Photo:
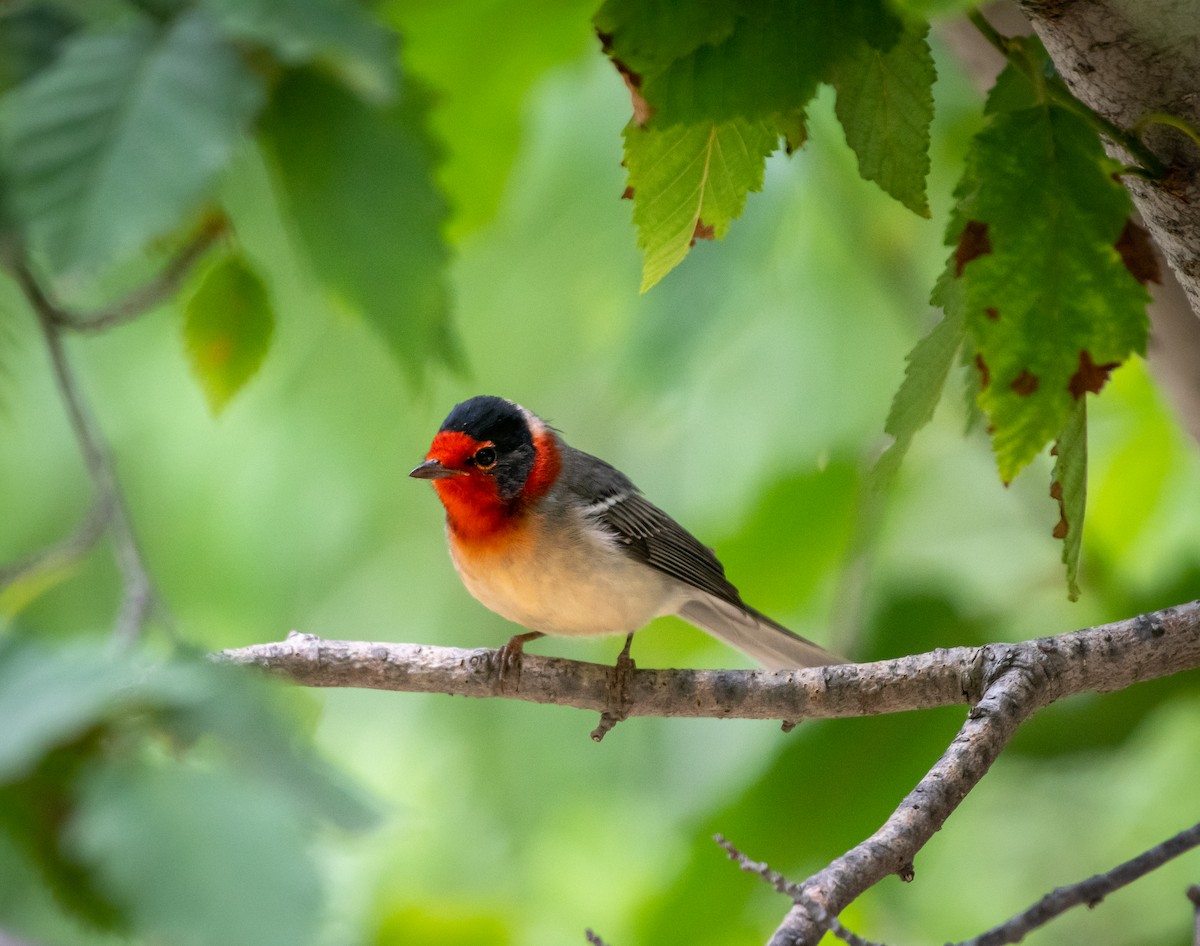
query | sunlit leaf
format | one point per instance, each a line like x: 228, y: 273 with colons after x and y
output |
x: 227, y: 329
x: 885, y: 105
x: 123, y: 134
x: 689, y: 182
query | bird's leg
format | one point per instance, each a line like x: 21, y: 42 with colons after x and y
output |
x: 509, y: 656
x: 618, y: 693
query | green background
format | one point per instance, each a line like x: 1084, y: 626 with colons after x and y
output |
x: 746, y: 395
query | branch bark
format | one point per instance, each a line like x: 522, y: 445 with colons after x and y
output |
x: 1098, y: 659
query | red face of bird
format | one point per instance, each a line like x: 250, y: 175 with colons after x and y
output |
x: 490, y: 456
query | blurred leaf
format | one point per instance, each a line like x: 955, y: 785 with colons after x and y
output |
x: 115, y: 141
x: 358, y: 182
x: 690, y: 181
x: 1047, y: 300
x: 928, y: 365
x: 227, y: 330
x: 31, y: 35
x: 927, y: 9
x: 49, y: 698
x: 33, y: 812
x: 338, y: 35
x: 1069, y: 487
x: 885, y: 104
x: 198, y: 857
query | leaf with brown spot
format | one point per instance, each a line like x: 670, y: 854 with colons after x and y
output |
x: 973, y: 242
x: 627, y: 194
x: 1025, y: 383
x: 985, y: 376
x: 643, y: 111
x: 703, y: 231
x: 992, y: 313
x: 1137, y: 253
x: 1090, y: 376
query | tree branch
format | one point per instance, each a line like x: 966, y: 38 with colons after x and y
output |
x: 1099, y: 659
x: 137, y: 596
x: 1004, y: 683
x: 1090, y: 891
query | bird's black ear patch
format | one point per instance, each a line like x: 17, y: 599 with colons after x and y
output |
x: 504, y: 424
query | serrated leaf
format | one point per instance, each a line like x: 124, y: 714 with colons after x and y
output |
x: 198, y: 856
x: 1046, y: 294
x: 769, y: 64
x: 1069, y: 488
x: 378, y: 249
x: 122, y: 135
x: 689, y: 180
x: 336, y: 35
x: 928, y: 365
x: 885, y: 105
x: 228, y: 324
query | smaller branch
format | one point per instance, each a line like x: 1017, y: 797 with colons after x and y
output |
x: 1090, y: 891
x: 138, y: 595
x: 793, y: 890
x: 1193, y: 894
x: 63, y: 555
x: 592, y: 937
x: 151, y: 294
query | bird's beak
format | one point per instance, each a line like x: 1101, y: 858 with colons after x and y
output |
x: 433, y: 470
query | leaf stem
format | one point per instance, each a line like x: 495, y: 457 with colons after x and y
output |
x: 1012, y: 49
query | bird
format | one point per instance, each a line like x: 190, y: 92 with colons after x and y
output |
x: 563, y: 543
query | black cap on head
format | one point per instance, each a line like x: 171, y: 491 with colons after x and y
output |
x: 505, y: 425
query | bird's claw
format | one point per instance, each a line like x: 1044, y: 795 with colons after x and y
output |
x: 509, y: 658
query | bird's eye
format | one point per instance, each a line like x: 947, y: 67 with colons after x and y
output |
x: 485, y: 458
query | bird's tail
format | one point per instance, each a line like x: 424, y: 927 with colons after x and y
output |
x: 753, y: 633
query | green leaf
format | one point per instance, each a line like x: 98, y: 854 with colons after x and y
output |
x: 687, y: 179
x: 1048, y: 302
x: 227, y: 329
x: 198, y: 856
x: 336, y: 35
x: 378, y: 249
x: 1069, y: 488
x: 123, y: 135
x: 769, y: 64
x: 48, y: 699
x: 885, y: 105
x: 646, y: 35
x: 30, y: 37
x: 928, y: 366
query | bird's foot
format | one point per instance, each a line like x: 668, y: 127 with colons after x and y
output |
x: 510, y: 655
x: 618, y: 692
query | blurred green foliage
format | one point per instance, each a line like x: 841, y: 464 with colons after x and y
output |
x: 168, y: 800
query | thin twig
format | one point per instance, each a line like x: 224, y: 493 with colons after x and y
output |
x: 592, y: 937
x: 137, y: 597
x: 1193, y: 894
x: 150, y: 294
x: 1090, y: 891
